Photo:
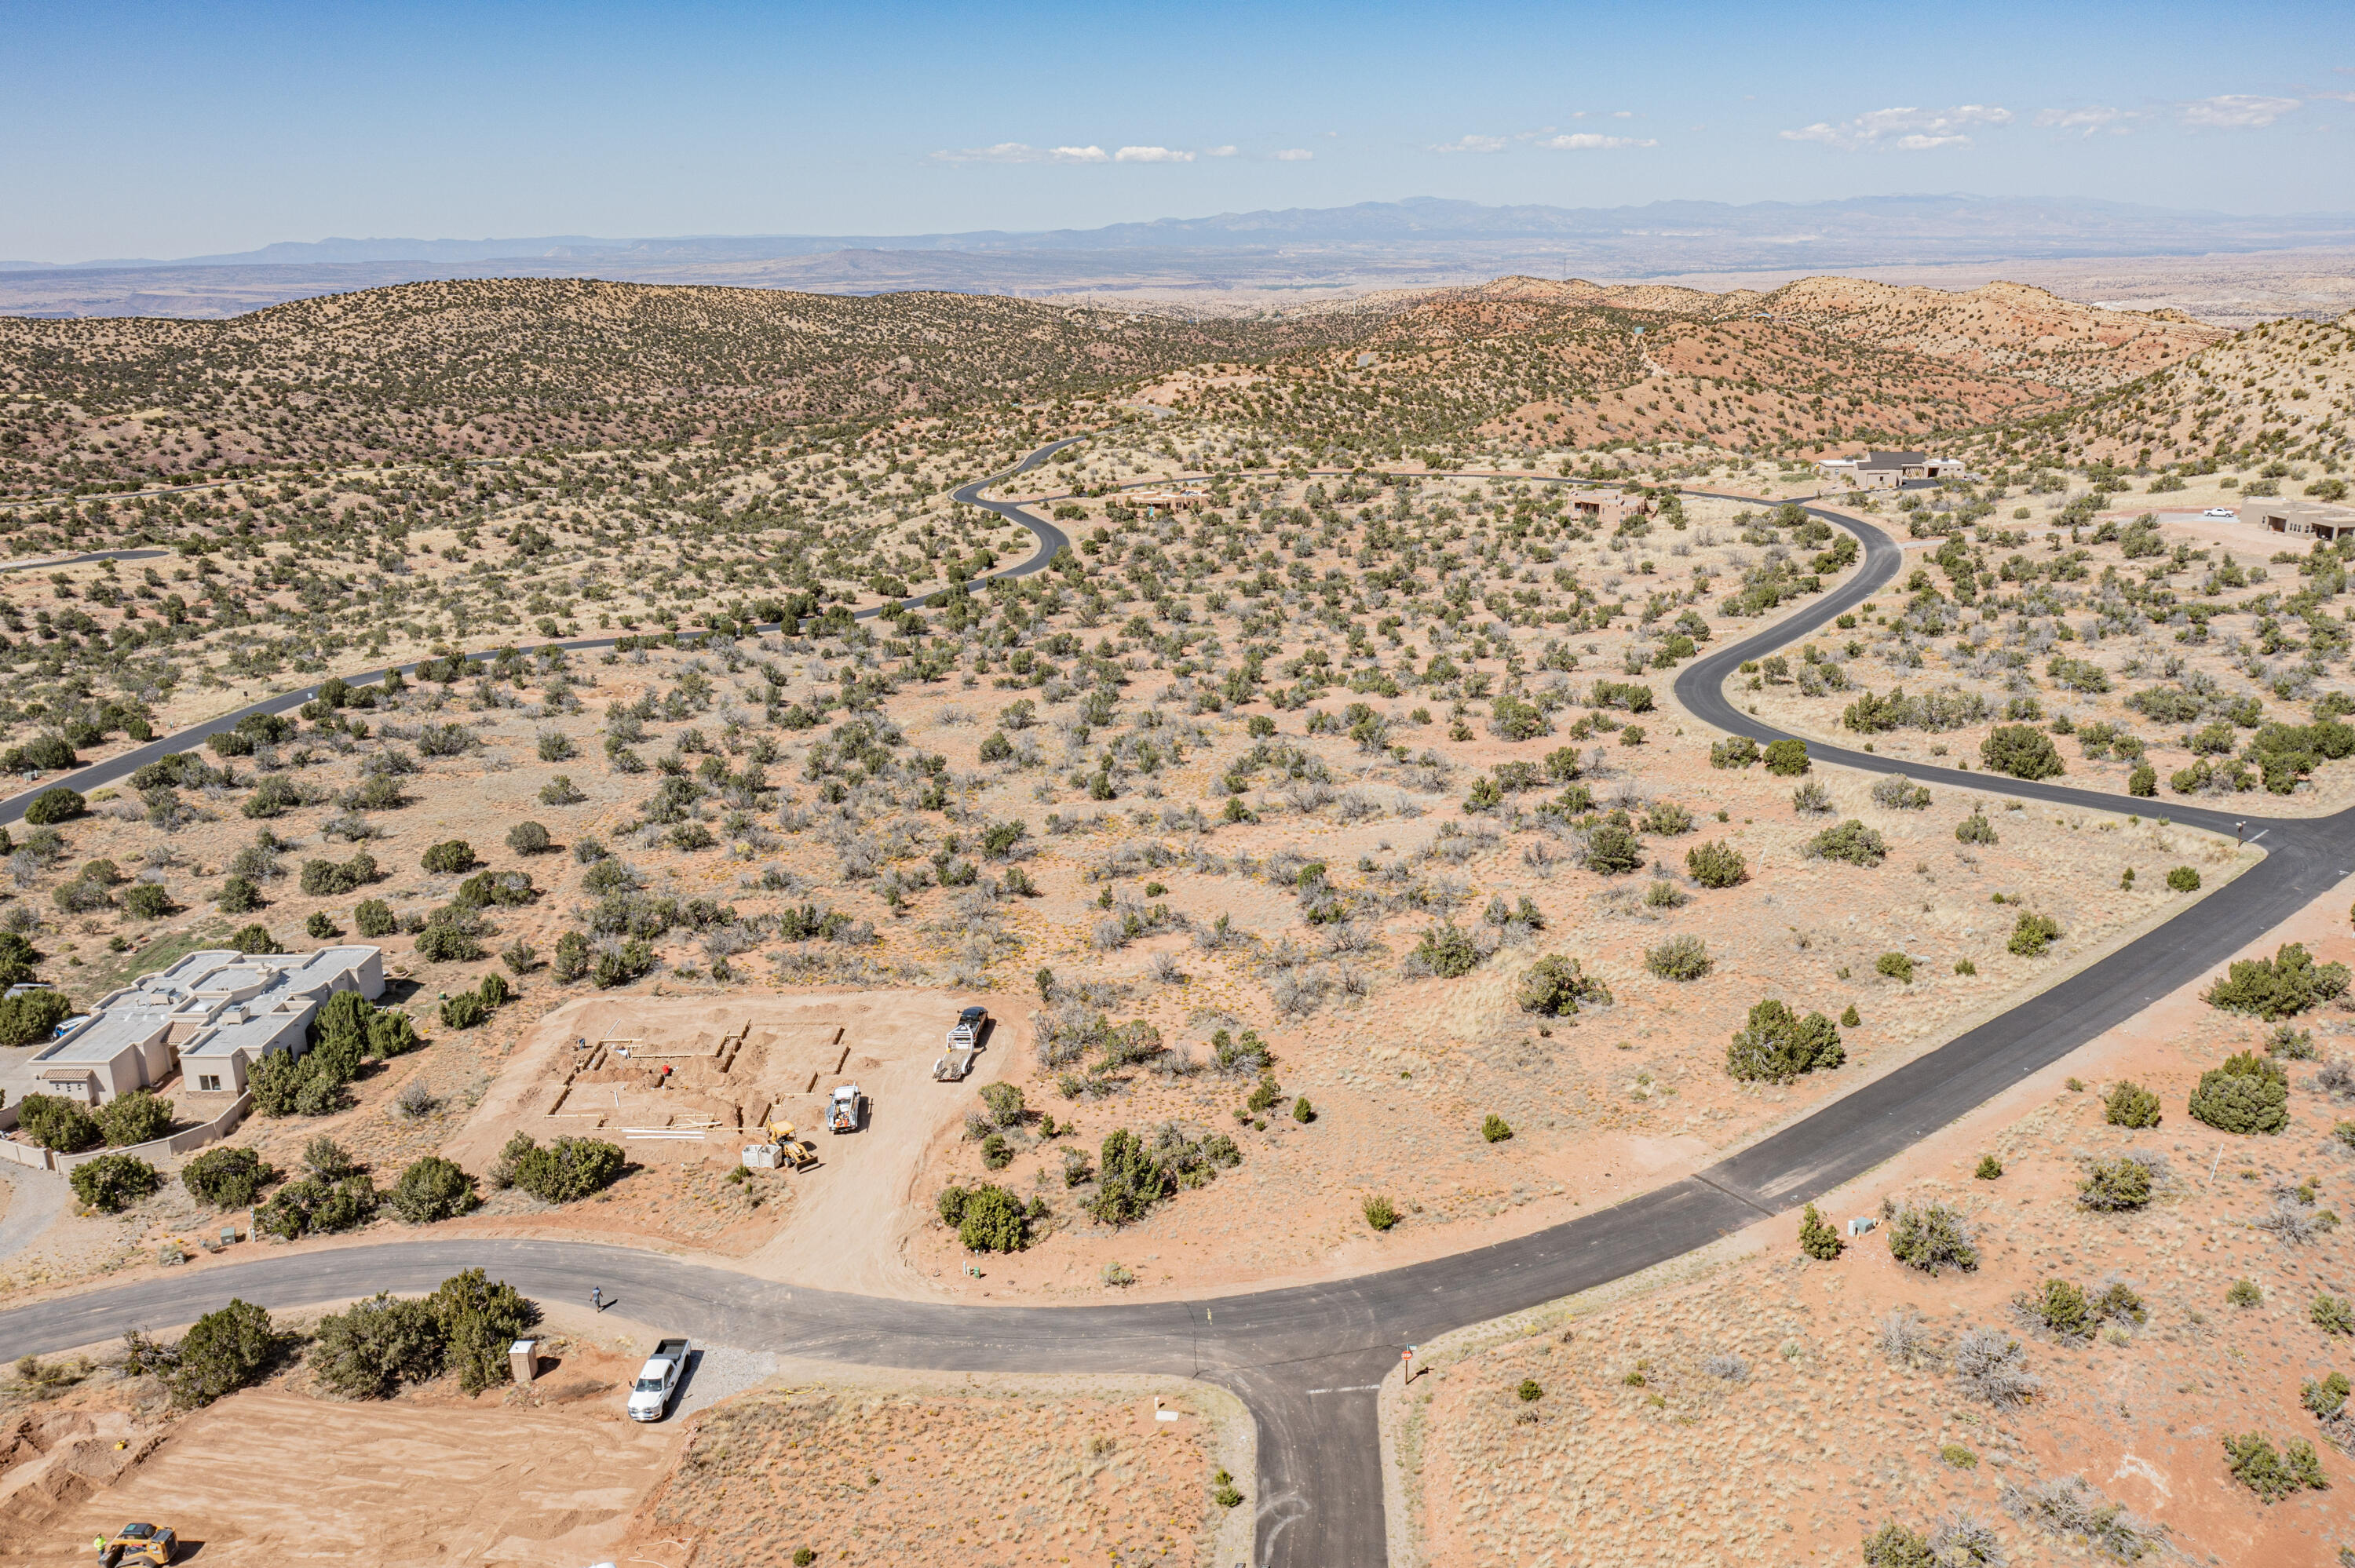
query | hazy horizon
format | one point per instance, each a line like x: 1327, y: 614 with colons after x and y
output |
x: 150, y: 131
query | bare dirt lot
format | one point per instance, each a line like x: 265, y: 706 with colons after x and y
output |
x: 1748, y: 1407
x: 862, y: 1467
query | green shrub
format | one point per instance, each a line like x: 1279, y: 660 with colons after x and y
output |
x: 465, y: 1011
x: 1555, y: 985
x: 1733, y: 751
x: 2244, y: 1293
x: 239, y: 896
x: 2143, y: 781
x: 2183, y: 879
x: 1380, y: 1213
x: 987, y: 1218
x: 2128, y: 1104
x: 370, y: 1350
x: 1898, y: 1547
x: 53, y: 1122
x: 2272, y: 1475
x: 2333, y: 1315
x: 374, y: 918
x: 32, y: 1017
x: 479, y: 1321
x: 1898, y: 966
x: 1529, y: 1391
x: 2033, y: 934
x: 1716, y: 864
x: 571, y: 961
x: 2115, y: 1185
x: 1612, y: 849
x: 1818, y: 1237
x: 1851, y: 841
x: 225, y: 1178
x: 433, y: 1189
x: 2289, y: 982
x: 565, y: 1169
x: 2249, y: 1094
x: 1684, y: 957
x: 1786, y: 759
x: 560, y: 790
x: 113, y: 1182
x: 2022, y: 751
x: 1446, y: 951
x: 1989, y: 1168
x: 255, y: 938
x: 1495, y: 1128
x: 311, y: 1203
x: 1976, y: 828
x: 55, y: 805
x: 1779, y: 1046
x: 222, y: 1352
x: 1932, y: 1238
x: 1302, y: 1112
x: 2061, y: 1307
x: 133, y: 1119
x: 273, y: 797
x: 449, y: 856
x: 326, y: 878
x: 2327, y: 1397
x: 147, y: 901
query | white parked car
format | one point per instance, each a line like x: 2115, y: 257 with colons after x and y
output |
x: 2224, y: 512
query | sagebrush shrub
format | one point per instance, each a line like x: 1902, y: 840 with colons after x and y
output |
x: 1850, y: 842
x: 2249, y: 1094
x: 2128, y: 1104
x: 1933, y: 1237
x: 1681, y: 957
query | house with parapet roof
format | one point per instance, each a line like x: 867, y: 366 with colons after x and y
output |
x: 211, y: 1016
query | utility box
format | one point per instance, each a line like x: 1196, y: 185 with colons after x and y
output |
x: 760, y: 1156
x: 523, y: 1361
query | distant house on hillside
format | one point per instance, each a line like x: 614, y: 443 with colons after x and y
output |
x: 1887, y: 471
x: 2302, y: 519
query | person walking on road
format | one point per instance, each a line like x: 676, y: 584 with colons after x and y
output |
x: 597, y: 1299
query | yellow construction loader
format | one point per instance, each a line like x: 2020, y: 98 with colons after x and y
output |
x: 138, y: 1543
x: 782, y: 1151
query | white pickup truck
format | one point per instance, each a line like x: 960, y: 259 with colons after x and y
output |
x: 657, y: 1380
x: 964, y: 1045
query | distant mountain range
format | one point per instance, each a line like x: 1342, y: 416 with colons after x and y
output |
x: 1421, y: 242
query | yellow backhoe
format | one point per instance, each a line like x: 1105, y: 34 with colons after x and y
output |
x: 138, y: 1543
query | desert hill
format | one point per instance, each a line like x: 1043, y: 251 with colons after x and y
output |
x: 443, y: 368
x: 1573, y: 364
x: 2286, y: 388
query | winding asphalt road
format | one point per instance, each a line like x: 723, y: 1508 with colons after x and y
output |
x: 1308, y: 1360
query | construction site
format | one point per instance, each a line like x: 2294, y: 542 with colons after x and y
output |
x: 690, y: 1089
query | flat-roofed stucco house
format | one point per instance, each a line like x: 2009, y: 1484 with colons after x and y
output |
x: 1887, y: 471
x: 2300, y: 519
x: 214, y: 1014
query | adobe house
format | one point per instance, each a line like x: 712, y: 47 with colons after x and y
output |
x: 2302, y: 519
x: 1887, y: 471
x: 213, y: 1015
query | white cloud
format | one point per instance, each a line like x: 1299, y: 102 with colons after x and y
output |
x: 1588, y: 140
x: 2088, y: 120
x: 1219, y: 151
x: 1623, y: 115
x: 1020, y: 152
x: 1473, y: 145
x: 1152, y: 156
x: 1294, y: 156
x: 1909, y: 130
x: 2236, y: 110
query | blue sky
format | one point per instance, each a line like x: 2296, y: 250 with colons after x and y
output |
x: 171, y: 129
